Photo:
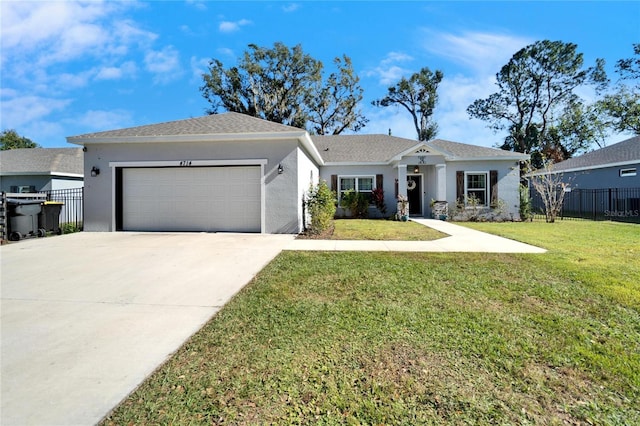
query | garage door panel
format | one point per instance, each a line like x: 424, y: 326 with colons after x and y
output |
x: 192, y: 199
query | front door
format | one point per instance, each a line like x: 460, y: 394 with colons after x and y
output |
x: 414, y: 194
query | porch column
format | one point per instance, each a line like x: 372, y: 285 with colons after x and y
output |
x: 441, y: 182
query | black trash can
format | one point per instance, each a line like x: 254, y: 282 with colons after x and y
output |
x: 49, y: 218
x: 23, y: 218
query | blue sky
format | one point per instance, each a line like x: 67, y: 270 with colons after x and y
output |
x: 70, y: 68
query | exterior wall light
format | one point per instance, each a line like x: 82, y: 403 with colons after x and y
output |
x: 280, y: 169
x: 95, y: 171
x: 416, y: 169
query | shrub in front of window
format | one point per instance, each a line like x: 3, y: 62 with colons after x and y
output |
x: 356, y: 202
x: 321, y: 205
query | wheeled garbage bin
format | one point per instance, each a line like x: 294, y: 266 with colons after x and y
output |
x: 23, y: 218
x: 50, y: 216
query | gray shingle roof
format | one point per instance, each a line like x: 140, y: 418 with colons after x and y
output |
x: 42, y: 160
x: 382, y: 148
x: 627, y: 150
x: 227, y: 123
x: 464, y: 150
x: 360, y: 148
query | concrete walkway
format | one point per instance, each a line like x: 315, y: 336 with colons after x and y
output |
x: 460, y: 239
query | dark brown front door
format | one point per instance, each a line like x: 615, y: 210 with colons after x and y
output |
x: 414, y: 194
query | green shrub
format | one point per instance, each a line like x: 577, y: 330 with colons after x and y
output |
x: 525, y: 203
x: 356, y: 202
x: 70, y: 227
x: 321, y: 206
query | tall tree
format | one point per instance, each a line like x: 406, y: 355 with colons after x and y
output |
x: 285, y: 85
x: 335, y: 108
x: 419, y: 96
x: 536, y: 88
x: 10, y: 139
x: 621, y: 108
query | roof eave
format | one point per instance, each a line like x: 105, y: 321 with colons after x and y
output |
x: 307, y: 143
x: 522, y: 157
x: 207, y: 137
x: 53, y: 174
x: 356, y: 163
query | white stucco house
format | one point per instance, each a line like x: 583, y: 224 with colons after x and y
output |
x: 236, y: 173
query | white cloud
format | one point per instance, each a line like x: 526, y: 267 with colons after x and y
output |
x: 126, y: 70
x: 483, y: 52
x: 97, y: 120
x: 17, y: 111
x: 199, y: 66
x: 198, y: 4
x: 291, y: 7
x: 396, y: 119
x: 388, y: 72
x: 232, y: 26
x: 165, y: 64
x: 226, y: 52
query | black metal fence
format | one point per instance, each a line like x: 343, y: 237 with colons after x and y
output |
x: 617, y: 204
x: 71, y: 214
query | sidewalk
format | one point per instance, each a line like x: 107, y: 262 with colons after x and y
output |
x: 460, y: 239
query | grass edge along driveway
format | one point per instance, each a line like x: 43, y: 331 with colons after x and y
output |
x: 419, y: 338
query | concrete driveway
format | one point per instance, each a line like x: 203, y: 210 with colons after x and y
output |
x: 87, y: 317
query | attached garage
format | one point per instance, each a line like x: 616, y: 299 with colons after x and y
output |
x: 201, y: 199
x: 218, y: 173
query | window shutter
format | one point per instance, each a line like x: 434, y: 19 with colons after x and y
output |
x: 460, y: 186
x: 493, y: 184
x: 396, y: 188
x: 379, y: 182
x: 334, y: 183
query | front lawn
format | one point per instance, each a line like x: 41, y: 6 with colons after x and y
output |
x: 380, y: 229
x: 419, y: 338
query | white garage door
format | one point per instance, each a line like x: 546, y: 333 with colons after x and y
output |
x: 191, y: 199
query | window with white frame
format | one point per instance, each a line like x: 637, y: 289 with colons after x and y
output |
x: 628, y: 172
x: 362, y: 184
x: 476, y: 185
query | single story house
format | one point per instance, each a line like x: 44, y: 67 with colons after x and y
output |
x: 41, y: 169
x: 614, y: 166
x: 236, y: 173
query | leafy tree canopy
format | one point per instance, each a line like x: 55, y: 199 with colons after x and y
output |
x: 285, y: 85
x: 10, y: 139
x: 418, y: 95
x: 536, y: 90
x: 620, y: 108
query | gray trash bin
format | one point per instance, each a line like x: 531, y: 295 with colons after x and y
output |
x: 23, y: 218
x: 50, y: 216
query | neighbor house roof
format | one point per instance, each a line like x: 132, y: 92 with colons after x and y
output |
x: 383, y: 148
x: 619, y: 154
x: 42, y: 161
x: 230, y: 123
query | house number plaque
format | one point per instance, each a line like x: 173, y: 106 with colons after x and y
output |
x: 185, y: 163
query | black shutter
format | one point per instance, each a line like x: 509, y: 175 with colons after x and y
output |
x: 379, y: 181
x: 334, y: 183
x: 460, y: 186
x: 493, y: 184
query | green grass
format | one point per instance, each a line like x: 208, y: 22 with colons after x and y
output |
x: 419, y: 338
x: 368, y: 229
